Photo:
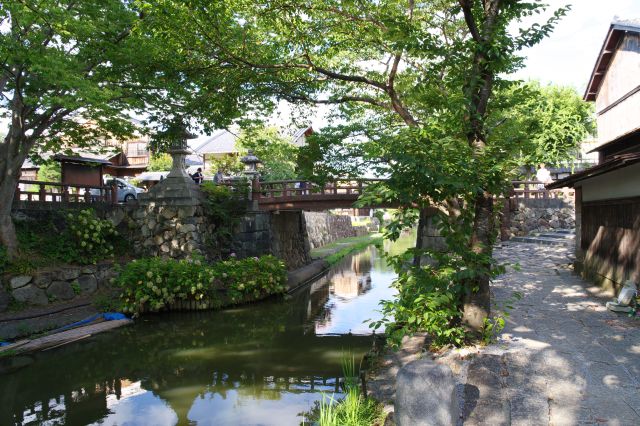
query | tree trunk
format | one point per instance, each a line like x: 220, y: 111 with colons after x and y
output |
x: 10, y: 165
x: 477, y: 304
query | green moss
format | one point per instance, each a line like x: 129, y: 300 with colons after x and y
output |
x: 338, y: 250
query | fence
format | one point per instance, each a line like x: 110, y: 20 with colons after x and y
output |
x: 535, y: 189
x: 55, y: 192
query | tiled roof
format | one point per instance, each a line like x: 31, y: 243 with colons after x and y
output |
x: 223, y: 142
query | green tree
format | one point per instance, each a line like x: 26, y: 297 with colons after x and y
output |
x: 50, y: 172
x: 160, y: 162
x: 551, y: 121
x: 72, y: 71
x: 277, y: 153
x: 416, y: 81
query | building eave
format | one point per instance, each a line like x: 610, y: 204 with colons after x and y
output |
x: 615, y: 163
x: 617, y: 30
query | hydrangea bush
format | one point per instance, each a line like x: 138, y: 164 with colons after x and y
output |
x: 93, y: 238
x: 155, y: 283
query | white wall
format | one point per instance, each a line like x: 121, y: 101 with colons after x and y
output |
x: 620, y: 183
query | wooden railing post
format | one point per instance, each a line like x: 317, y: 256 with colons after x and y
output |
x: 87, y: 195
x: 65, y: 193
x: 114, y: 194
x: 42, y: 193
x: 16, y: 193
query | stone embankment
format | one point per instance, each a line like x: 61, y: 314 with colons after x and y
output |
x: 54, y: 284
x: 169, y: 231
x: 325, y: 228
x: 541, y: 215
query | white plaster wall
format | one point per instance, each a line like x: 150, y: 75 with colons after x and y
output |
x: 619, y: 120
x: 622, y: 183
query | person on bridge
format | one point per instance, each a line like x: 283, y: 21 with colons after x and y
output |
x: 218, y: 177
x: 543, y: 175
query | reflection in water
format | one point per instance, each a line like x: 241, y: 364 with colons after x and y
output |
x: 257, y: 364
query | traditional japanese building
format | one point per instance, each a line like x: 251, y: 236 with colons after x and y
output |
x: 608, y: 194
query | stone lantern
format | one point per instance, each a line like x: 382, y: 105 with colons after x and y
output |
x: 178, y: 188
x: 251, y: 162
x: 179, y: 150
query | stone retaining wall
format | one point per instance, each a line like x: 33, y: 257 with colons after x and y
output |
x: 169, y: 231
x: 54, y: 284
x: 324, y: 228
x: 540, y: 215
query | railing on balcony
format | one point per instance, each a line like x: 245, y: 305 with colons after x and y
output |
x: 56, y: 192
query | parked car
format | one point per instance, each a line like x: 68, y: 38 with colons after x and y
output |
x: 125, y: 191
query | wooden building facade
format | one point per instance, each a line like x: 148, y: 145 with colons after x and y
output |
x: 608, y: 194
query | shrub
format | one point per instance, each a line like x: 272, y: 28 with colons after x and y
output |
x: 155, y: 283
x: 224, y: 206
x: 428, y: 300
x: 93, y: 238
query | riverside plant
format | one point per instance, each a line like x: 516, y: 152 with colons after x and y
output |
x: 155, y: 283
x: 355, y: 409
x: 91, y: 237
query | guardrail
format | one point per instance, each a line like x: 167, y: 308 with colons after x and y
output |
x: 56, y: 192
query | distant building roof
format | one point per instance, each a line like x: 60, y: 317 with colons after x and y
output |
x: 152, y: 176
x: 81, y: 159
x: 298, y: 137
x: 28, y: 164
x: 223, y: 142
x: 616, y: 30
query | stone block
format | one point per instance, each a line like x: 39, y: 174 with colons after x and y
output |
x: 90, y: 269
x: 43, y: 279
x: 186, y: 211
x: 61, y: 290
x: 158, y: 240
x: 168, y: 212
x: 164, y: 248
x: 19, y: 281
x: 88, y: 283
x: 425, y: 395
x: 31, y: 295
x: 68, y: 273
x: 186, y: 228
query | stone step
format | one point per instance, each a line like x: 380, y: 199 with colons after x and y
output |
x: 564, y: 231
x: 553, y: 235
x: 541, y: 240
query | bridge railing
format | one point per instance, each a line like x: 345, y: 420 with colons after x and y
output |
x: 536, y: 189
x: 56, y: 192
x: 300, y: 188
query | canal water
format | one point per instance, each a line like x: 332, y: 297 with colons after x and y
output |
x: 258, y: 364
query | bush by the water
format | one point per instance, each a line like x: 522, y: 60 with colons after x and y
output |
x: 155, y: 283
x: 93, y: 238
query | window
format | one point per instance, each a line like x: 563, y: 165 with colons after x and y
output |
x: 137, y: 150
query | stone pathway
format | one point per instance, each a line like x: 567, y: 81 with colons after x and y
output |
x: 562, y: 359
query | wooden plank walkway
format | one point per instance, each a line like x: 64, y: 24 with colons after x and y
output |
x: 58, y: 339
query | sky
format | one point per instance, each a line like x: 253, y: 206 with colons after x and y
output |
x: 568, y: 55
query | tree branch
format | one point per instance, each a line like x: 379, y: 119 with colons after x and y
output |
x: 470, y: 20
